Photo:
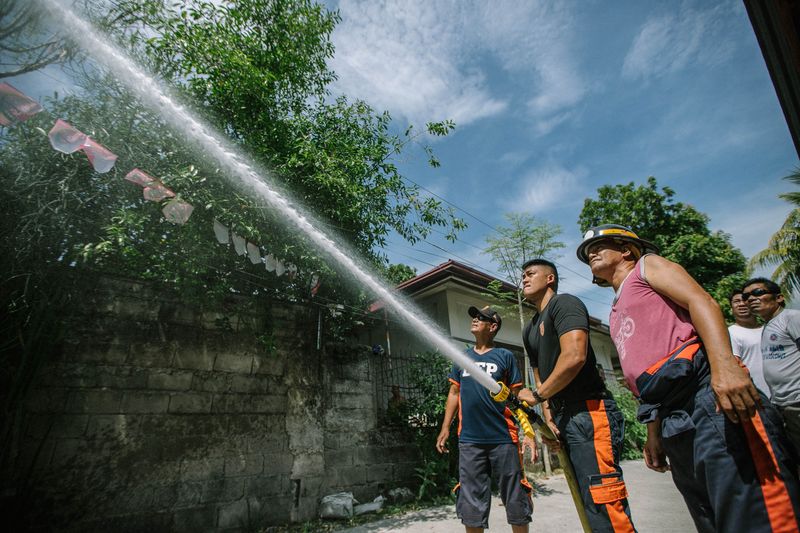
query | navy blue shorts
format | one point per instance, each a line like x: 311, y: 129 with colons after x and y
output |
x: 477, y: 465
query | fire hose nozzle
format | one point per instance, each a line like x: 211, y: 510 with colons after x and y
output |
x: 502, y: 394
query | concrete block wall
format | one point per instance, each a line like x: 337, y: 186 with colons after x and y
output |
x: 158, y: 416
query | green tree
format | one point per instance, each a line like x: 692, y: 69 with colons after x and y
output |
x: 679, y: 230
x: 26, y: 46
x: 522, y: 239
x: 398, y: 273
x: 783, y: 249
x: 258, y: 71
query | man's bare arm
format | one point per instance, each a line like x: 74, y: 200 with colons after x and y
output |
x: 450, y: 409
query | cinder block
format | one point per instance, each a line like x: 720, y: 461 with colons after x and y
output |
x: 190, y: 403
x: 244, y: 465
x: 212, y: 381
x: 152, y: 354
x: 222, y: 490
x: 380, y: 473
x: 308, y: 464
x: 47, y: 400
x: 257, y: 384
x: 194, y: 359
x: 202, y: 469
x: 269, y: 364
x: 69, y: 426
x: 102, y: 352
x: 349, y: 476
x: 94, y: 401
x: 338, y: 458
x: 267, y: 485
x: 234, y: 515
x: 234, y: 362
x: 121, y: 377
x: 145, y: 402
x: 169, y: 380
x: 194, y: 519
x: 278, y: 463
x: 352, y: 401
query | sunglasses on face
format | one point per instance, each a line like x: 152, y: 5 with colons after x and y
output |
x: 756, y: 293
x: 482, y: 318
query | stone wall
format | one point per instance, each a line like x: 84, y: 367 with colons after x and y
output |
x: 158, y: 416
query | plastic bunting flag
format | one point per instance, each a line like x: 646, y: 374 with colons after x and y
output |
x: 291, y: 271
x: 270, y: 263
x: 239, y: 244
x: 15, y: 106
x: 139, y: 177
x: 65, y: 138
x: 315, y: 283
x: 101, y: 158
x: 177, y: 211
x: 157, y: 191
x: 280, y: 268
x: 221, y: 232
x: 253, y: 253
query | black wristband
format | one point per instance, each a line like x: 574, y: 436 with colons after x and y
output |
x: 537, y: 397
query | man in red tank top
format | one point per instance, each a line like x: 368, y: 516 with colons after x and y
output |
x: 706, y: 421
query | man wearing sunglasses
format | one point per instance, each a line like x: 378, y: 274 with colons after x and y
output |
x: 727, y: 450
x: 745, y: 335
x: 488, y: 441
x: 780, y: 349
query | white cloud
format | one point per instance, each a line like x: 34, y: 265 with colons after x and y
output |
x: 544, y: 187
x: 428, y: 60
x: 669, y: 43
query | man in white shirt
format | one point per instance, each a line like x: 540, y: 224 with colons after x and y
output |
x: 780, y: 349
x: 746, y: 340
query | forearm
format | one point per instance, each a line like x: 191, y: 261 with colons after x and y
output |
x: 450, y: 410
x: 707, y: 319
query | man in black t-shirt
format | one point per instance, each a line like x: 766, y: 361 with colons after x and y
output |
x: 574, y: 399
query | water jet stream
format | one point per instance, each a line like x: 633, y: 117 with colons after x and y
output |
x: 242, y: 174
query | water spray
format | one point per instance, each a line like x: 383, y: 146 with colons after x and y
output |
x: 241, y: 172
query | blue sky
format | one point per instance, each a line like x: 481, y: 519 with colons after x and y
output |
x: 553, y: 99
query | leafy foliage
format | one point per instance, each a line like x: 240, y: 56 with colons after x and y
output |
x: 257, y: 71
x: 524, y: 238
x: 635, y: 432
x: 397, y: 274
x: 679, y: 230
x: 439, y: 472
x: 783, y: 249
x: 25, y: 43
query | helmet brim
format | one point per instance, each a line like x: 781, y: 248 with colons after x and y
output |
x: 646, y: 247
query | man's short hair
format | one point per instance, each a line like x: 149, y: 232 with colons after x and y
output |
x: 734, y: 293
x: 548, y: 264
x: 771, y: 286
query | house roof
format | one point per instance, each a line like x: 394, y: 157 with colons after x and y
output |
x: 776, y: 24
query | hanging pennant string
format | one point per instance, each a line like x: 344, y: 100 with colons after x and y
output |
x: 101, y: 158
x: 16, y: 106
x: 65, y: 138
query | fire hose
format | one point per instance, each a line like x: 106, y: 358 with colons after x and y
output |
x: 529, y: 420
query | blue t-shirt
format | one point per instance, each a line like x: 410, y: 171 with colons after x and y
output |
x: 481, y: 420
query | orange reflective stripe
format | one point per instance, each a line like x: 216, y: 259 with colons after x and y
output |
x: 512, y: 425
x: 776, y: 497
x: 459, y: 412
x: 605, y: 465
x: 686, y: 352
